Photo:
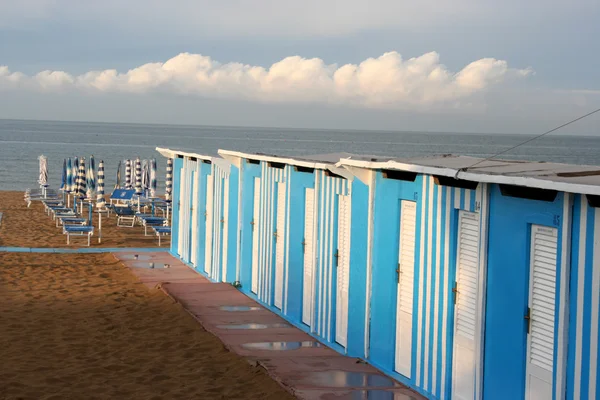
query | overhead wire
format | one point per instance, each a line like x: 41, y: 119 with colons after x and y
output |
x: 528, y: 141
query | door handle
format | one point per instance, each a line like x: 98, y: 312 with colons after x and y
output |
x: 528, y: 319
x: 455, y: 291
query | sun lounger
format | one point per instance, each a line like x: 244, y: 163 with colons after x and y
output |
x: 78, y: 230
x: 150, y: 221
x: 71, y: 221
x: 161, y: 231
x: 62, y: 212
x: 125, y: 216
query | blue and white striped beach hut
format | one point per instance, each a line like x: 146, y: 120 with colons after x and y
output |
x: 295, y: 255
x: 484, y: 282
x: 204, y: 221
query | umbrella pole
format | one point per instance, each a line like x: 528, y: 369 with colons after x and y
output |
x: 99, y: 227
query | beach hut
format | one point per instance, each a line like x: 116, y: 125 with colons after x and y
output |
x: 483, y: 283
x: 204, y: 221
x: 297, y: 219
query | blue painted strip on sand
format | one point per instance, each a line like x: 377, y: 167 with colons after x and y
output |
x: 81, y: 250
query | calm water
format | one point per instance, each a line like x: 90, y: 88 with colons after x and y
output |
x: 21, y: 142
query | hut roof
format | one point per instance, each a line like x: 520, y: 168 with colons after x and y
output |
x: 571, y: 178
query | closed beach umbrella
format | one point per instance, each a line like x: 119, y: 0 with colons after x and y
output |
x: 127, y: 174
x: 169, y: 180
x: 100, y: 203
x: 91, y: 178
x: 81, y: 179
x: 153, y: 178
x: 43, y: 179
x: 118, y: 184
x: 145, y: 176
x: 75, y: 182
x: 63, y: 179
x: 69, y: 169
x: 138, y: 176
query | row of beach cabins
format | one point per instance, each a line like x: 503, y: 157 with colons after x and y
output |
x: 462, y: 283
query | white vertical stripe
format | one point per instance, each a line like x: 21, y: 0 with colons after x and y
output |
x: 595, y: 299
x: 225, y: 226
x: 580, y: 293
x: 457, y: 198
x: 468, y: 200
x: 563, y: 324
x: 263, y: 229
x: 286, y: 270
x: 316, y: 249
x: 445, y: 288
x: 436, y: 299
x: 238, y: 230
x: 333, y: 245
x: 321, y: 263
x: 421, y: 280
x: 428, y: 282
x: 483, y: 245
x: 270, y: 259
x: 260, y: 228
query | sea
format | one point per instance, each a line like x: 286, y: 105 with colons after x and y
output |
x: 22, y: 142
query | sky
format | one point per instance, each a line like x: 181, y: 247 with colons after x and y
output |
x: 432, y: 65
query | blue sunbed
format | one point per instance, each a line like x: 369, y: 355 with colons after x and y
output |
x: 161, y: 231
x: 78, y: 230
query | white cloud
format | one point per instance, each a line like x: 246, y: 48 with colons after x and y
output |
x: 388, y: 81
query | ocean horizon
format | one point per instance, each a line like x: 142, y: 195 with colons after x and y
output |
x: 22, y: 141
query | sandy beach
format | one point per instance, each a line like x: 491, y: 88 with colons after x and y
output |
x: 31, y: 227
x: 78, y: 326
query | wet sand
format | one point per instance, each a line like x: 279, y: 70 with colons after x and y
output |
x: 80, y: 326
x: 31, y: 227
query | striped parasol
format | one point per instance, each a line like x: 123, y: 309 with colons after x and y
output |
x: 128, y: 174
x: 153, y: 178
x: 145, y: 176
x: 169, y: 181
x: 69, y: 183
x: 74, y: 179
x: 100, y: 202
x: 91, y: 178
x: 81, y: 179
x: 138, y: 176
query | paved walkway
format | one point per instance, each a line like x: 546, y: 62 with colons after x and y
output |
x: 303, y: 366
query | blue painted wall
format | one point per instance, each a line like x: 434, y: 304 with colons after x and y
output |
x: 358, y: 273
x: 249, y: 172
x: 205, y: 170
x: 508, y: 287
x: 232, y: 226
x: 300, y: 181
x: 177, y: 166
x: 435, y: 264
x: 386, y: 234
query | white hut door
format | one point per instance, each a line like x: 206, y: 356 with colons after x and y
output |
x: 465, y: 311
x: 405, y: 287
x: 343, y: 270
x: 308, y: 301
x: 194, y: 243
x: 208, y: 242
x: 542, y: 300
x: 255, y: 235
x: 280, y: 250
x: 225, y: 229
x: 182, y: 212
